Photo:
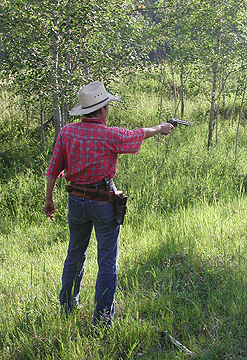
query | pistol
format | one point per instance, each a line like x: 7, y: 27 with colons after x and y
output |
x: 175, y: 122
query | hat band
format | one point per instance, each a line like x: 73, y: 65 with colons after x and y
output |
x: 87, y: 107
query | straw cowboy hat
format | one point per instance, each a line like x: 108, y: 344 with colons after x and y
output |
x: 92, y: 97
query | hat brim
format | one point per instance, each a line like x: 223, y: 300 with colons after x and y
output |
x: 78, y: 110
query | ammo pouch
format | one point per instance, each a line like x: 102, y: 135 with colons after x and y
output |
x: 121, y: 206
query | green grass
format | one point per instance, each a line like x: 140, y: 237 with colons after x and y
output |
x: 183, y: 250
x: 184, y: 273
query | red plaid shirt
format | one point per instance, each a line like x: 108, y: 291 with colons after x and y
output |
x: 88, y: 150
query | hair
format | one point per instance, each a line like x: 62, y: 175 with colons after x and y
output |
x: 94, y: 113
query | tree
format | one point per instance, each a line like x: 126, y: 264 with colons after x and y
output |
x: 220, y: 38
x: 54, y: 47
x: 206, y: 36
x: 173, y: 39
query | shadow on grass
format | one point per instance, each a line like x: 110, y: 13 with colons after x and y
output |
x: 200, y: 301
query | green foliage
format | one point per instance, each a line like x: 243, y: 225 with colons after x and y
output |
x: 182, y: 261
x: 52, y: 48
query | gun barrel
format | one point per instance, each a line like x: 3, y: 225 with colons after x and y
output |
x: 186, y: 123
x: 175, y: 122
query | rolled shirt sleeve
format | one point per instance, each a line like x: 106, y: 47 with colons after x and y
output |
x: 57, y: 164
x: 127, y: 141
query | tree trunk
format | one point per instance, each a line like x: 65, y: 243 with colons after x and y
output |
x: 182, y: 92
x: 65, y: 106
x: 217, y: 123
x: 26, y: 111
x: 214, y: 88
x: 55, y: 95
x: 233, y: 107
x: 64, y: 113
x: 42, y: 124
x: 86, y: 66
x: 57, y: 117
x: 212, y: 111
x: 161, y: 103
x: 240, y: 114
x: 174, y: 91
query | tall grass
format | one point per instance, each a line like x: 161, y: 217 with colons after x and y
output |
x: 182, y: 261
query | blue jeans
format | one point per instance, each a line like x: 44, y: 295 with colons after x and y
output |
x: 82, y: 216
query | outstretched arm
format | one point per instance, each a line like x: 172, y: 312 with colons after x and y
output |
x: 164, y: 128
x: 49, y: 208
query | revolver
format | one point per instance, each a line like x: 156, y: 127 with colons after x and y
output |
x: 175, y: 122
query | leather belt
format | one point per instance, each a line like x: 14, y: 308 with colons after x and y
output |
x: 98, y: 186
x: 90, y: 193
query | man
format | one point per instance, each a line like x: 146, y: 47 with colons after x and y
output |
x: 88, y: 151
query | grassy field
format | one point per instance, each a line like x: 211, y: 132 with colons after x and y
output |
x: 183, y: 250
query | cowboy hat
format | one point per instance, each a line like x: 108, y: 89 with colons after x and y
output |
x: 92, y: 97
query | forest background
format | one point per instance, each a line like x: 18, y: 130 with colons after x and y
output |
x: 183, y: 245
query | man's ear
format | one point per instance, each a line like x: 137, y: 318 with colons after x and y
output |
x: 100, y: 111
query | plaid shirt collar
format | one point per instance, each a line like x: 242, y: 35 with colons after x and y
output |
x: 93, y: 120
